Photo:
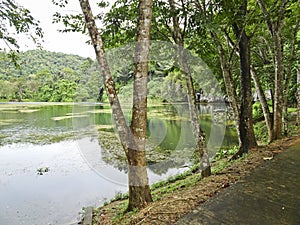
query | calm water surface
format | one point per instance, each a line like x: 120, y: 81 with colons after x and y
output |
x: 64, y: 139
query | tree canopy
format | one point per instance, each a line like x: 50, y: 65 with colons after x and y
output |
x: 15, y: 20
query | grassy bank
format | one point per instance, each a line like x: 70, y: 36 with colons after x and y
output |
x: 179, y: 195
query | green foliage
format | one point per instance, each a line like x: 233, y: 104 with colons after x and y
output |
x: 257, y: 112
x: 226, y: 152
x: 119, y: 196
x: 49, y: 77
x: 33, y: 61
x: 261, y: 132
x: 120, y: 24
x: 174, y: 86
x: 154, y: 88
x: 221, y: 165
x: 16, y: 19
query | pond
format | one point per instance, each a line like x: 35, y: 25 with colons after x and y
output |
x: 56, y: 159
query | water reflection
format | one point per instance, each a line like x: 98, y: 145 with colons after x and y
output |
x: 85, y: 160
x: 57, y: 196
x: 170, y: 142
x: 169, y: 131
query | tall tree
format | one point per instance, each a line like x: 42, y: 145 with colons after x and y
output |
x: 229, y: 82
x: 260, y: 93
x: 235, y: 15
x: 246, y: 122
x: 178, y: 37
x: 275, y: 27
x: 133, y: 137
x: 170, y: 24
x: 263, y: 102
x: 291, y: 47
x: 138, y: 179
x: 259, y: 89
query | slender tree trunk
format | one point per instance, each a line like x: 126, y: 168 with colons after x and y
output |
x: 286, y: 85
x: 96, y: 39
x: 288, y: 74
x: 242, y: 107
x: 261, y: 94
x: 139, y: 190
x: 133, y: 139
x: 285, y: 96
x: 199, y: 134
x: 246, y: 122
x: 264, y: 104
x: 298, y: 96
x: 197, y: 131
x: 229, y: 84
x: 278, y: 97
x: 275, y: 29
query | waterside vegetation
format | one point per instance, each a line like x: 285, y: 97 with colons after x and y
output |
x: 181, y: 194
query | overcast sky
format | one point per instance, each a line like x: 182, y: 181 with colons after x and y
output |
x: 73, y: 43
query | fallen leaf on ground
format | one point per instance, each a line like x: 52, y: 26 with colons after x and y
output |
x: 268, y: 158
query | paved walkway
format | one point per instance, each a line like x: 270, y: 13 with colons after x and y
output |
x: 269, y: 196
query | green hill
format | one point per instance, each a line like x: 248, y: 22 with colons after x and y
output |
x: 33, y: 61
x: 48, y: 76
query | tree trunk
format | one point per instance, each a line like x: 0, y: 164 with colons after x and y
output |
x: 285, y: 111
x: 278, y: 96
x: 133, y: 139
x: 261, y: 95
x: 298, y: 96
x: 229, y: 84
x: 242, y: 107
x: 275, y: 28
x: 197, y: 131
x: 139, y: 190
x: 123, y: 130
x: 246, y: 123
x: 199, y: 134
x: 264, y: 104
x: 288, y: 75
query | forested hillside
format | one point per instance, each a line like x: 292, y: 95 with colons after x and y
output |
x: 57, y: 77
x: 48, y: 76
x: 33, y: 61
